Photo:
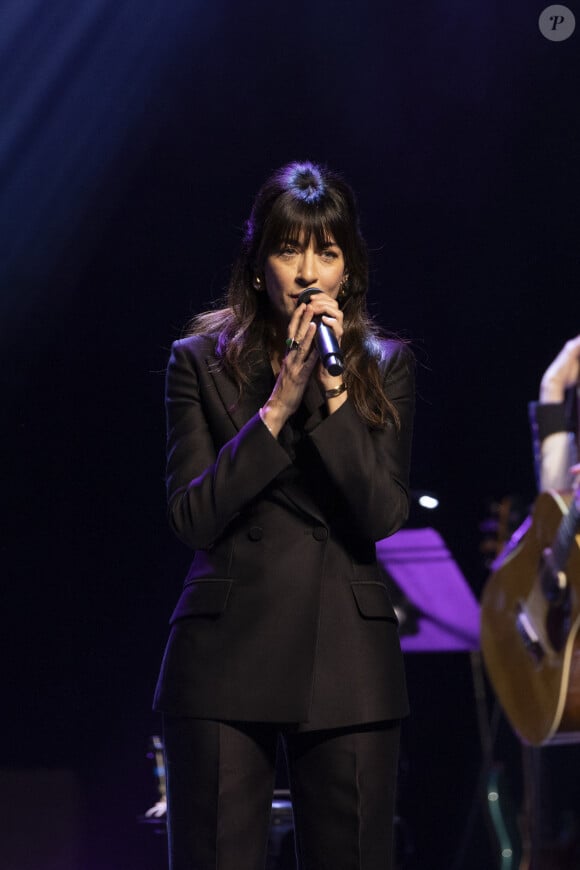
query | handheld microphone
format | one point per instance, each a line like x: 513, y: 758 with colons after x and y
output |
x: 325, y: 340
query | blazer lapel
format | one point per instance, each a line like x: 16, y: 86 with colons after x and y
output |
x: 241, y: 408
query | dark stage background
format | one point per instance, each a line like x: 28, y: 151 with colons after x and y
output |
x: 133, y: 138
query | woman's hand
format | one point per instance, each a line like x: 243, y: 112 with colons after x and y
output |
x: 301, y: 360
x: 327, y: 309
x: 295, y: 371
x: 562, y: 373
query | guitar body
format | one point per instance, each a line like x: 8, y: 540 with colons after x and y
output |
x: 530, y: 642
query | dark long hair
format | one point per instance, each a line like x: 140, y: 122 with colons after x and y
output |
x: 310, y: 199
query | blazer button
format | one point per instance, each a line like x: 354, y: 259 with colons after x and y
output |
x: 320, y: 533
x: 255, y: 533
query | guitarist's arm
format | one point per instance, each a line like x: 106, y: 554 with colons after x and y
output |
x: 554, y: 420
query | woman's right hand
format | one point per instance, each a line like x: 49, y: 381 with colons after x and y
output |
x: 295, y: 371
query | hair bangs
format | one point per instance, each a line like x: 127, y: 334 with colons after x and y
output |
x: 292, y: 221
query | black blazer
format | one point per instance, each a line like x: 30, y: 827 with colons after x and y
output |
x: 284, y: 616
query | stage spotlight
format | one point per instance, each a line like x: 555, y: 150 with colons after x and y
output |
x: 427, y: 501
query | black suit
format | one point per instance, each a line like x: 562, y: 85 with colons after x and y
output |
x: 284, y: 592
x: 284, y: 616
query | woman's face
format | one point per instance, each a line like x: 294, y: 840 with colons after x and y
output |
x: 295, y: 266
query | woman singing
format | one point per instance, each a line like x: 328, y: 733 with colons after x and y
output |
x: 281, y: 476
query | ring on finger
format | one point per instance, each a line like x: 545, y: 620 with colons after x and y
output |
x: 292, y: 344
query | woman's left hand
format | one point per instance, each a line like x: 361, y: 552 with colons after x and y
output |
x: 562, y: 372
x: 327, y: 308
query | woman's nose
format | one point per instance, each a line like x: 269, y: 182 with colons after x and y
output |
x: 306, y: 272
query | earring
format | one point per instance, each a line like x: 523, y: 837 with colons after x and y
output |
x: 342, y: 289
x: 257, y: 283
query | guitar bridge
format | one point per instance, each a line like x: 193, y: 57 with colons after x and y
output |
x: 529, y: 636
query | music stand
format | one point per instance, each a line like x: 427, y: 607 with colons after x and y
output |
x: 437, y: 610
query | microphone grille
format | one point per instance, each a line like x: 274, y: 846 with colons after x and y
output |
x: 307, y: 294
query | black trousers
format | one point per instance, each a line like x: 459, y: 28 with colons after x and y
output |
x: 220, y: 779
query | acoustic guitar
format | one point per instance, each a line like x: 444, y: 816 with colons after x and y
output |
x: 530, y: 624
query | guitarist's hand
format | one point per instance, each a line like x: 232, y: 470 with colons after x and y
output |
x: 562, y: 373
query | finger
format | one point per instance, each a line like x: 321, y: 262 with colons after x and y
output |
x: 324, y: 305
x: 300, y: 315
x: 334, y: 323
x: 305, y: 338
x: 298, y: 325
x: 294, y: 343
x: 301, y: 347
x: 297, y: 315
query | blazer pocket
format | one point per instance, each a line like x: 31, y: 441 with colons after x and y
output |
x: 372, y: 600
x: 202, y: 598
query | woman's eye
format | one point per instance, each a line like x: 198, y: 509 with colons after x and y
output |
x: 329, y: 255
x: 287, y: 251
